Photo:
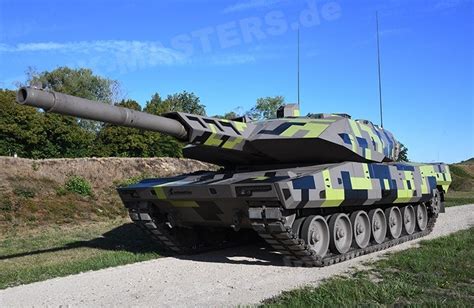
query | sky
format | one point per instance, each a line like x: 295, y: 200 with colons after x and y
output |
x: 230, y: 53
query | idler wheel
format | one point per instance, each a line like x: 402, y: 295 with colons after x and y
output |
x: 315, y: 232
x: 361, y: 228
x: 409, y: 219
x: 394, y: 221
x: 341, y: 233
x: 378, y: 225
x: 421, y: 216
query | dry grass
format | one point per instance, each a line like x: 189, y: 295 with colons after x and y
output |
x: 32, y: 191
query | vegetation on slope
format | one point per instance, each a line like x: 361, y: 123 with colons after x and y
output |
x: 461, y: 190
x: 35, y: 193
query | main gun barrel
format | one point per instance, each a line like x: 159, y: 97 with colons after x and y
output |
x: 60, y: 103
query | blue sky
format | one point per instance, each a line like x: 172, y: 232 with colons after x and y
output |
x: 231, y: 52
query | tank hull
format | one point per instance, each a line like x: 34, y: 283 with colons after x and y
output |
x: 305, y: 213
x: 215, y: 198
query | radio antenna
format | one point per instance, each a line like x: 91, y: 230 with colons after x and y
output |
x: 379, y: 73
x: 298, y: 67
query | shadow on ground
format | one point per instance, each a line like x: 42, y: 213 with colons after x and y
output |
x: 126, y: 237
x: 129, y: 237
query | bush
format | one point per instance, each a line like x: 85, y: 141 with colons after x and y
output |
x: 24, y: 192
x: 132, y: 180
x: 78, y: 185
x: 6, y: 204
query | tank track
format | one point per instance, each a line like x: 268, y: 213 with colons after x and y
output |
x: 296, y: 253
x: 180, y: 240
x: 142, y: 216
x: 280, y: 237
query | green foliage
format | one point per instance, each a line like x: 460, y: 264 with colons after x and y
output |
x: 118, y: 141
x: 6, y: 205
x: 35, y: 166
x: 229, y: 116
x: 266, y: 107
x: 121, y: 141
x: 33, y: 134
x: 132, y: 180
x: 24, y: 192
x: 181, y: 102
x: 61, y: 191
x: 403, y: 155
x: 21, y: 128
x: 78, y: 185
x: 164, y: 145
x: 78, y: 82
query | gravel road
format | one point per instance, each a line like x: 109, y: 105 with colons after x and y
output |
x: 244, y: 275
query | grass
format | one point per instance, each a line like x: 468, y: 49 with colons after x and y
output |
x: 453, y: 198
x: 438, y: 273
x: 462, y: 176
x: 44, y: 253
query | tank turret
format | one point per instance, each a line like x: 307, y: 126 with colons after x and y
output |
x: 288, y: 139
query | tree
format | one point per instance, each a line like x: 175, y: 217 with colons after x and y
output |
x: 229, y: 116
x: 266, y: 107
x: 182, y: 102
x: 64, y: 137
x: 78, y: 82
x: 120, y: 141
x: 33, y: 134
x: 20, y: 128
x: 179, y: 102
x: 403, y: 154
x: 163, y: 145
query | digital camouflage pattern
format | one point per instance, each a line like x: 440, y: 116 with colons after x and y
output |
x: 324, y: 138
x: 319, y: 189
x: 216, y: 196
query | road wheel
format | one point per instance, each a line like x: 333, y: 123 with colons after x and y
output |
x: 341, y: 233
x: 409, y: 219
x: 315, y: 232
x: 378, y: 225
x: 361, y: 228
x: 394, y: 221
x: 421, y: 216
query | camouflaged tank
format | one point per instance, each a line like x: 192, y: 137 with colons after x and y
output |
x: 319, y: 189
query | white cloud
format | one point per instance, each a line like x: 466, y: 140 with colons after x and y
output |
x: 232, y: 59
x: 250, y: 4
x: 111, y: 54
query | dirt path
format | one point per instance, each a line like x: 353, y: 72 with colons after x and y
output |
x: 228, y: 277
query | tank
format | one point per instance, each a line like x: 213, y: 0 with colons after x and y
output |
x: 319, y: 189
